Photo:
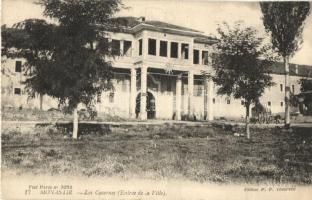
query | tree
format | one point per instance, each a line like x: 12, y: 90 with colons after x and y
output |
x: 66, y: 60
x: 285, y: 22
x: 241, y: 65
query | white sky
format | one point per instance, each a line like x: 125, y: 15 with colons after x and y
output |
x: 197, y: 14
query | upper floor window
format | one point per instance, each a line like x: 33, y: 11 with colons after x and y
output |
x: 293, y: 88
x: 116, y: 47
x: 174, y: 50
x: 269, y: 103
x: 163, y: 48
x: 281, y: 87
x: 18, y: 66
x: 152, y: 47
x: 127, y: 48
x: 205, y: 57
x: 196, y: 56
x: 184, y: 51
x: 140, y: 47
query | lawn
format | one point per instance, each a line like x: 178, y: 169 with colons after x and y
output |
x: 201, y: 153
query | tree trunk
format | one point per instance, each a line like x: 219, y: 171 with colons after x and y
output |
x: 247, y: 121
x: 287, y: 92
x: 75, y: 124
x: 40, y: 101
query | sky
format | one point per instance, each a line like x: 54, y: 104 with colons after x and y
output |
x: 202, y: 15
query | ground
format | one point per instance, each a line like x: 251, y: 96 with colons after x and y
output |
x: 209, y: 153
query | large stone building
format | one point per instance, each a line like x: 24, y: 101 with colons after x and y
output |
x: 159, y: 75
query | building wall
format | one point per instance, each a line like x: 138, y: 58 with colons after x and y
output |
x: 163, y: 89
x: 12, y: 81
x: 223, y: 106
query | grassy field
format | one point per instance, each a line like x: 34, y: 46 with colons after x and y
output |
x: 203, y: 154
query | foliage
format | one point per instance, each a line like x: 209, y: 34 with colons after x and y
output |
x: 241, y: 63
x: 66, y: 60
x: 285, y: 21
x: 306, y: 94
x: 305, y: 85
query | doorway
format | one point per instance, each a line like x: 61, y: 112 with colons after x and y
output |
x: 150, y: 105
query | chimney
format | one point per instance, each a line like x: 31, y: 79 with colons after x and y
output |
x: 141, y: 19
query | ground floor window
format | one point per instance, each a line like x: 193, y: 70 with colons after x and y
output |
x: 111, y: 97
x: 17, y: 91
x: 198, y: 90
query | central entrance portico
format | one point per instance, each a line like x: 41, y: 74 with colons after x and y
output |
x: 169, y: 95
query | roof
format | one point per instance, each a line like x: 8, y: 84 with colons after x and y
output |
x: 294, y: 69
x: 134, y: 25
x: 170, y: 26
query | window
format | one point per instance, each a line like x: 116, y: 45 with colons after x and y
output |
x: 281, y: 87
x: 242, y: 102
x: 169, y: 88
x: 213, y: 100
x: 205, y: 57
x: 127, y: 48
x: 98, y: 97
x: 269, y: 103
x: 124, y: 86
x: 282, y: 103
x: 115, y: 47
x: 228, y: 101
x: 184, y: 89
x: 140, y: 47
x: 152, y: 47
x: 17, y: 91
x: 174, y: 50
x: 18, y: 66
x: 184, y: 51
x: 111, y: 97
x: 163, y: 48
x: 198, y: 90
x: 196, y: 56
x: 293, y: 88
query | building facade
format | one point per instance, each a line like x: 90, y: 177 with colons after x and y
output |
x: 159, y: 75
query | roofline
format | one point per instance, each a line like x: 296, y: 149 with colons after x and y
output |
x: 144, y: 26
x: 195, y: 31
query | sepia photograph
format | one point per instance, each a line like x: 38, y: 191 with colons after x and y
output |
x: 156, y: 100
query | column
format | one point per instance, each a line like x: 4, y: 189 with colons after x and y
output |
x: 205, y: 98
x: 210, y: 100
x: 145, y: 44
x: 190, y: 92
x: 178, y: 97
x: 133, y: 92
x: 168, y: 49
x: 143, y: 114
x: 157, y: 47
x: 191, y: 52
x: 121, y: 47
